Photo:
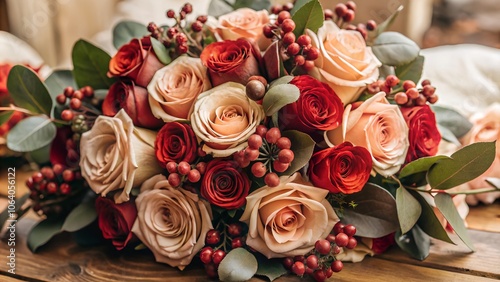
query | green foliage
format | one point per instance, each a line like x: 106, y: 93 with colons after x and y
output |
x: 80, y: 217
x: 411, y: 71
x: 58, y: 80
x: 302, y: 147
x: 408, y: 208
x: 279, y: 96
x: 220, y: 7
x: 125, y: 31
x: 28, y: 91
x: 452, y: 120
x: 5, y: 116
x: 237, y: 265
x: 43, y: 231
x: 91, y: 65
x: 308, y: 16
x: 270, y: 268
x: 420, y: 165
x: 31, y: 133
x: 161, y: 51
x: 386, y: 24
x: 395, y: 49
x: 416, y: 243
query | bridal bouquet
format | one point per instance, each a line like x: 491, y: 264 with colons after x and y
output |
x: 259, y: 141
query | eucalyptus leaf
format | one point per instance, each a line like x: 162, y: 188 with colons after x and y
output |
x: 420, y: 165
x: 448, y: 135
x: 449, y: 118
x: 31, y: 133
x: 219, y: 7
x: 42, y: 232
x: 309, y: 16
x: 416, y: 243
x: 125, y: 31
x: 42, y: 155
x: 238, y: 265
x: 5, y: 116
x: 58, y: 80
x: 375, y: 214
x: 252, y: 4
x: 297, y: 5
x: 394, y: 49
x: 279, y: 96
x: 28, y: 91
x: 464, y: 165
x: 270, y: 268
x: 408, y: 208
x: 302, y: 147
x: 387, y: 23
x: 445, y: 204
x: 161, y: 51
x: 80, y: 217
x: 411, y: 71
x: 91, y: 65
x: 282, y: 80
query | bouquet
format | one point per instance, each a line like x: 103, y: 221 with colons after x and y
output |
x: 260, y: 142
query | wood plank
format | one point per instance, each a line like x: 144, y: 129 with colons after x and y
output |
x: 485, y: 217
x: 5, y: 278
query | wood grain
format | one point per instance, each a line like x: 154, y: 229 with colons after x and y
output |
x: 485, y: 217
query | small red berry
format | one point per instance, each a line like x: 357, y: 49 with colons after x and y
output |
x: 312, y: 54
x: 206, y: 255
x: 268, y: 31
x: 170, y: 14
x: 67, y: 115
x: 331, y: 238
x: 293, y: 49
x: 258, y: 169
x: 288, y: 25
x: 425, y: 82
x: 350, y: 230
x: 319, y: 275
x: 276, y: 9
x: 308, y: 65
x: 421, y: 100
x: 336, y: 250
x: 337, y: 266
x: 312, y: 261
x: 298, y: 268
x: 282, y: 16
x: 288, y: 262
x: 234, y: 229
x: 218, y: 256
x: 391, y: 80
x: 286, y: 156
x: 174, y: 179
x: 371, y: 25
x: 68, y: 91
x: 75, y: 103
x: 187, y: 8
x: 284, y: 143
x: 273, y: 134
x: 254, y: 141
x: 197, y: 26
x: 352, y: 243
x: 328, y: 14
x: 58, y: 169
x: 77, y: 94
x: 341, y: 239
x: 65, y: 188
x: 213, y: 237
x: 171, y: 32
x: 194, y: 175
x: 184, y: 168
x: 171, y: 167
x: 237, y: 243
x: 428, y: 90
x: 68, y: 175
x: 299, y: 258
x: 340, y: 10
x: 61, y: 99
x: 351, y: 5
x: 279, y: 166
x: 432, y: 99
x: 304, y: 40
x: 51, y: 188
x: 407, y: 84
x: 322, y: 246
x: 202, y: 19
x: 251, y: 154
x: 338, y: 228
x: 201, y: 167
x: 87, y: 91
x: 412, y: 93
x: 272, y: 179
x: 349, y: 16
x: 288, y: 38
x: 401, y: 98
x: 299, y: 60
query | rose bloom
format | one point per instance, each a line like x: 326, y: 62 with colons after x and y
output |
x: 317, y: 109
x: 116, y: 221
x: 244, y: 23
x: 60, y: 152
x: 134, y: 100
x: 230, y: 60
x: 424, y: 136
x: 379, y: 127
x: 342, y: 169
x: 114, y: 155
x: 379, y: 245
x: 224, y: 118
x: 171, y: 222
x: 176, y: 142
x: 344, y: 62
x: 135, y: 60
x: 174, y: 88
x: 224, y: 184
x: 4, y: 74
x: 287, y: 220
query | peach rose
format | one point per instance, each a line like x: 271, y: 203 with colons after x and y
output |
x: 114, y: 155
x: 344, y: 62
x: 171, y: 222
x: 379, y: 127
x: 174, y: 88
x: 246, y: 23
x: 224, y: 117
x: 287, y: 220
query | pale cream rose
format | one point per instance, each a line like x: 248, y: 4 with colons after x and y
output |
x: 287, y: 220
x: 379, y: 127
x: 345, y: 62
x: 174, y: 88
x: 359, y: 252
x: 114, y: 155
x: 243, y: 22
x: 171, y: 222
x: 224, y: 117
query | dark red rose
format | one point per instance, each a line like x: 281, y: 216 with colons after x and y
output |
x: 341, y: 169
x: 224, y: 184
x: 176, y: 142
x: 317, y: 109
x: 134, y: 100
x: 62, y: 151
x: 423, y: 134
x: 135, y: 60
x: 116, y: 220
x: 380, y: 245
x: 231, y: 60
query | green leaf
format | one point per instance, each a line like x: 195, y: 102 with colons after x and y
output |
x: 161, y: 51
x: 91, y: 66
x: 429, y: 222
x: 375, y: 214
x: 409, y: 209
x: 411, y: 71
x: 387, y: 23
x: 394, y: 49
x: 5, y: 116
x: 420, y: 165
x: 58, y: 80
x: 43, y: 231
x: 31, y: 133
x: 80, y: 217
x: 219, y: 7
x: 449, y: 118
x: 28, y: 91
x: 282, y: 80
x: 464, y: 165
x: 279, y: 96
x: 416, y: 243
x: 125, y: 31
x: 270, y: 268
x: 309, y: 16
x: 445, y: 204
x: 297, y: 5
x: 41, y: 156
x: 448, y: 135
x: 302, y: 147
x: 252, y: 4
x: 238, y: 265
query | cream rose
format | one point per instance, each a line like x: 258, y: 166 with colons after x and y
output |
x: 174, y: 88
x: 114, y: 155
x: 379, y: 127
x: 223, y: 117
x: 243, y: 22
x: 287, y: 220
x: 344, y: 62
x: 171, y: 222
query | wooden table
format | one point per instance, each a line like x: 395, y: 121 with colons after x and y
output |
x: 63, y: 260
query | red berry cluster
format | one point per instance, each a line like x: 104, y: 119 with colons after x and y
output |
x: 276, y: 9
x: 271, y: 153
x: 81, y: 112
x: 345, y: 13
x: 182, y: 171
x: 414, y: 96
x: 320, y: 263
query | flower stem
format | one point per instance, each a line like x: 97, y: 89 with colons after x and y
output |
x: 473, y: 192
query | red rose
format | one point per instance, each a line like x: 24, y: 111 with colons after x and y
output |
x: 230, y: 60
x: 135, y: 60
x: 341, y: 169
x: 380, y: 245
x: 318, y: 107
x: 176, y: 142
x: 224, y: 184
x: 63, y: 151
x: 423, y: 134
x: 134, y: 100
x: 116, y: 220
x: 4, y: 74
